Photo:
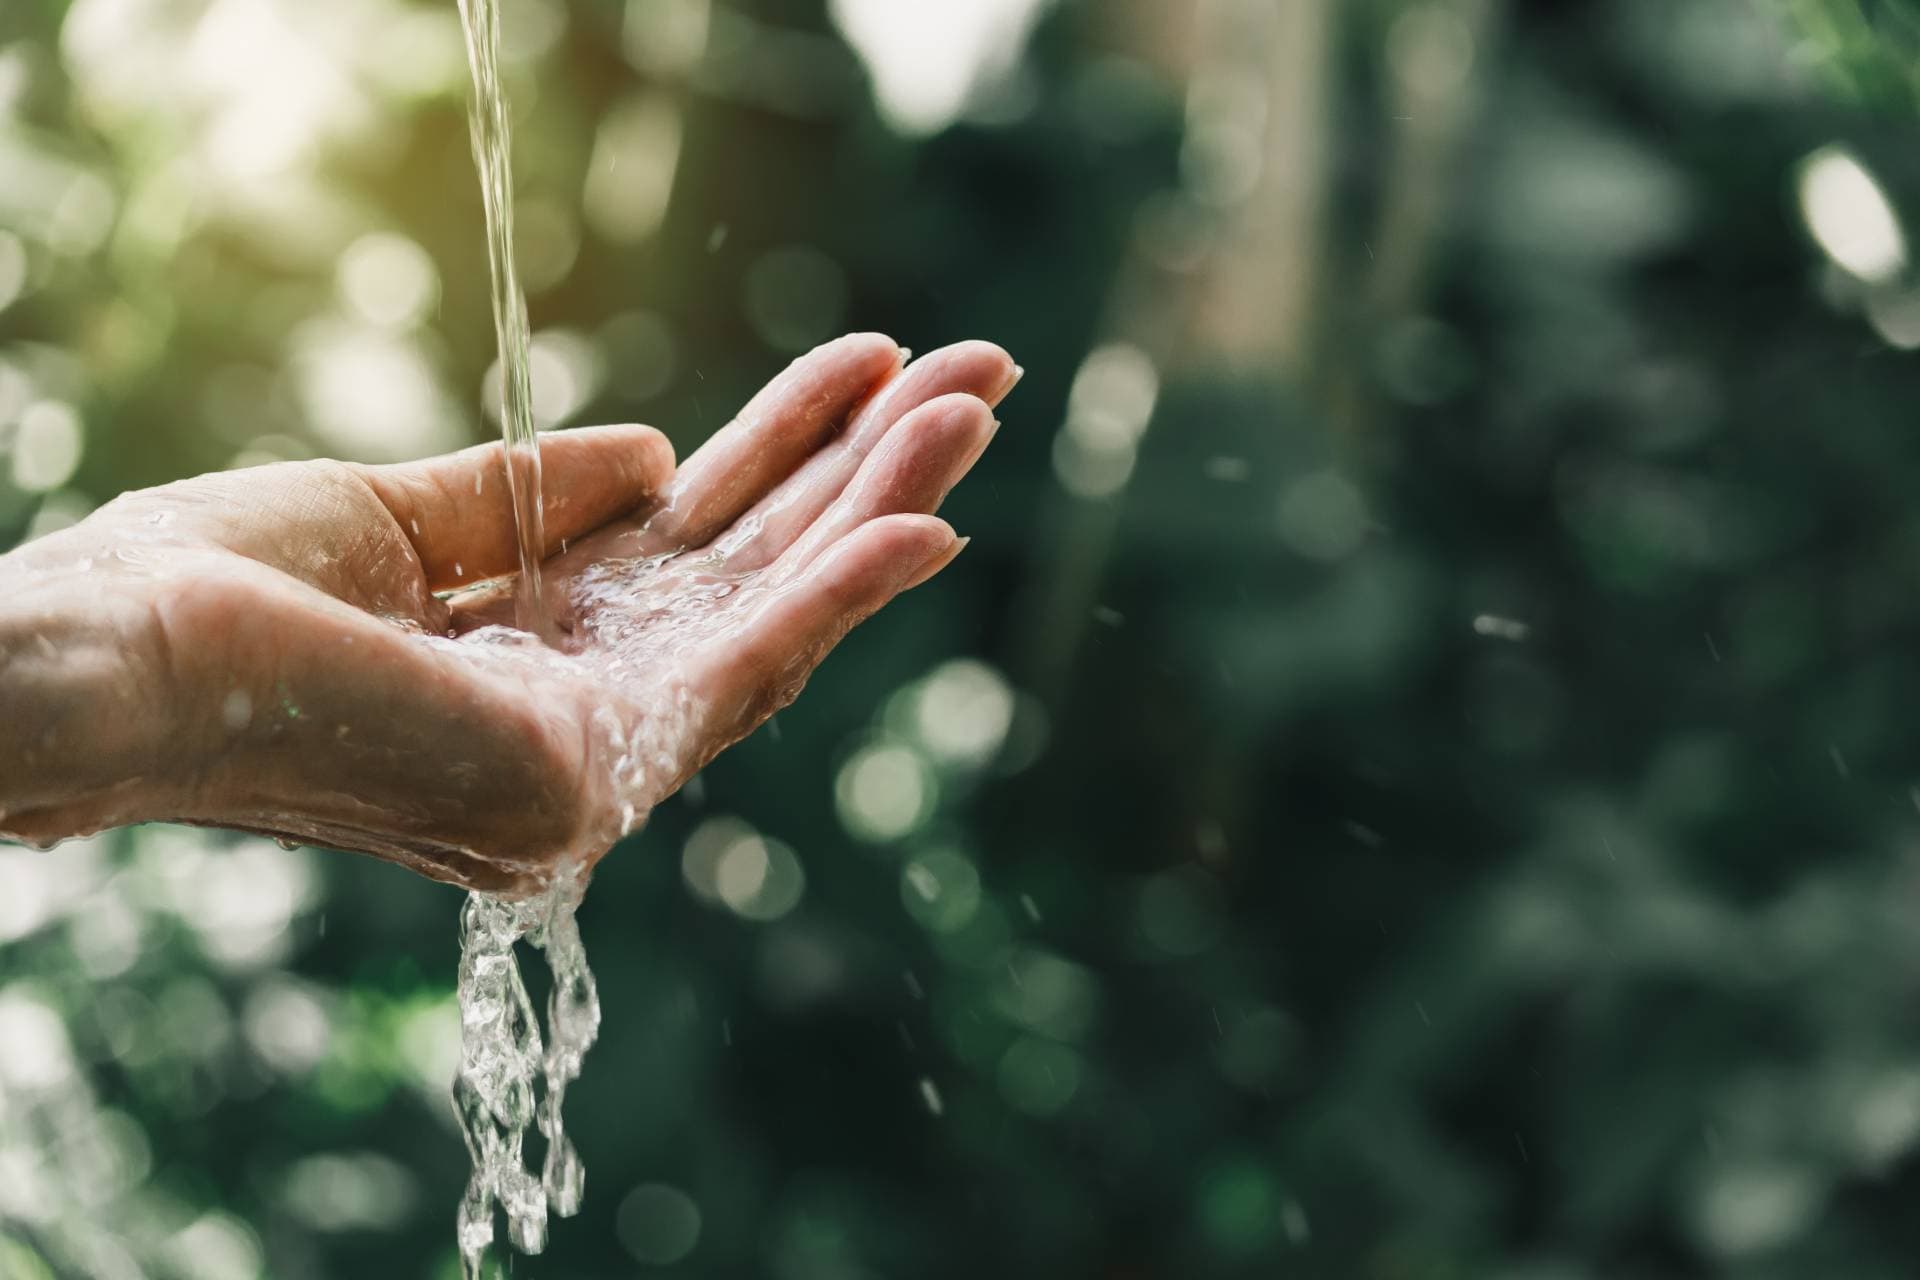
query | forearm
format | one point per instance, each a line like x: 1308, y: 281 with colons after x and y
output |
x: 80, y: 747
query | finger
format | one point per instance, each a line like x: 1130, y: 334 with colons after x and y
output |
x: 764, y: 666
x: 457, y: 512
x: 978, y: 369
x: 939, y: 562
x: 778, y: 430
x: 917, y: 463
x: 910, y: 473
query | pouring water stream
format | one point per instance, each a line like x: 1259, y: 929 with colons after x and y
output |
x: 492, y: 156
x: 502, y: 1055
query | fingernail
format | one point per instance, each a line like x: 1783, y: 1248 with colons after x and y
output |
x: 906, y: 354
x: 1019, y: 372
x: 937, y: 562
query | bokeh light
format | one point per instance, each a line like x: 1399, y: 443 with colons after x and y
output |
x: 388, y: 280
x: 885, y: 790
x: 927, y: 63
x: 1851, y: 216
x: 659, y: 1224
x: 47, y: 441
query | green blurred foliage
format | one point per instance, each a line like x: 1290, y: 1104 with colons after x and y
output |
x: 1864, y: 47
x: 1411, y: 779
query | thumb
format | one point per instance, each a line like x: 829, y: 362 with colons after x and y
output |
x: 457, y: 511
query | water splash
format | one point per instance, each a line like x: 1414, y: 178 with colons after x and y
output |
x: 508, y: 1081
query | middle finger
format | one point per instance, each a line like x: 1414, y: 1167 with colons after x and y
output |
x: 979, y: 370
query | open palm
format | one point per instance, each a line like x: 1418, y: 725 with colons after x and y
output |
x: 320, y: 682
x: 686, y: 626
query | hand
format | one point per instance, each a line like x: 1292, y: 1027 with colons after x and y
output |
x: 264, y: 649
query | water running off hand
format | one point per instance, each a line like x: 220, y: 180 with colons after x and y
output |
x: 501, y: 1055
x: 500, y: 1045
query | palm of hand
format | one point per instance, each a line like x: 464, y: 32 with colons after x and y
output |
x: 691, y: 612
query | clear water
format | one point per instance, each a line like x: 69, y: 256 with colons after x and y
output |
x: 508, y: 1080
x: 492, y: 156
x: 642, y: 736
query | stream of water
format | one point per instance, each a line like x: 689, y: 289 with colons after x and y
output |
x: 509, y: 1080
x: 493, y: 156
x: 502, y: 1060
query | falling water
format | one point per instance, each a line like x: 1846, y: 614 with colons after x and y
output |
x: 502, y: 1060
x: 508, y: 1080
x: 492, y: 156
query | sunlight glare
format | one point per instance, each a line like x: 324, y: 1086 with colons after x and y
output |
x: 1851, y: 216
x: 927, y: 60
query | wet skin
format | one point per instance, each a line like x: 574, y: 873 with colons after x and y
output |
x: 302, y: 649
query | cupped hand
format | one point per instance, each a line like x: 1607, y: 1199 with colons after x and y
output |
x: 324, y: 651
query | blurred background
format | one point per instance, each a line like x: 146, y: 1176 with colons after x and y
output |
x: 1413, y: 777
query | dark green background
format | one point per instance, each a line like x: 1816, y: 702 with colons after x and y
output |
x: 1370, y: 941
